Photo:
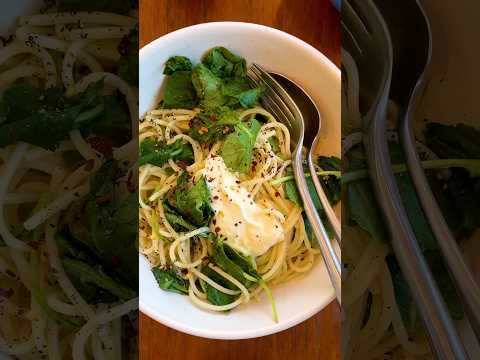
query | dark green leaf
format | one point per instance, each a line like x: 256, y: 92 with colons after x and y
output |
x: 237, y: 149
x: 179, y: 91
x: 169, y: 280
x: 213, y: 125
x: 158, y: 153
x: 177, y: 63
x: 192, y: 201
x: 85, y: 273
x: 224, y: 63
x: 215, y: 296
x: 207, y: 87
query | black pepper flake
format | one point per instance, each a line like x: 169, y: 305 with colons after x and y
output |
x: 215, y: 197
x: 76, y: 194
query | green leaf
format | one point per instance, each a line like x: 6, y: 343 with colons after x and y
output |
x: 220, y: 257
x: 192, y: 201
x: 453, y: 141
x: 237, y: 149
x: 179, y: 91
x: 49, y: 119
x: 158, y: 153
x: 177, y: 63
x: 176, y: 220
x: 169, y: 280
x: 211, y: 126
x: 215, y: 296
x: 224, y: 63
x: 87, y: 274
x: 207, y: 87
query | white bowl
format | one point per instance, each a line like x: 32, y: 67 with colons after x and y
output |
x: 276, y: 51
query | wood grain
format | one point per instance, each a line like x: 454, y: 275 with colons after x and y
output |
x: 318, y: 23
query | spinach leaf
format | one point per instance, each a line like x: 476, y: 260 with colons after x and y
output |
x: 87, y: 274
x: 363, y: 210
x: 179, y: 91
x: 213, y: 125
x: 215, y: 296
x: 177, y: 63
x: 208, y: 87
x: 127, y: 67
x: 50, y: 118
x: 224, y: 63
x: 220, y: 257
x: 120, y: 7
x: 111, y: 218
x: 192, y: 201
x: 158, y: 152
x: 237, y: 149
x: 237, y: 91
x: 169, y: 280
x: 176, y: 220
x: 453, y: 141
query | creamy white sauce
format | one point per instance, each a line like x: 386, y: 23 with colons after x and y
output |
x: 249, y: 227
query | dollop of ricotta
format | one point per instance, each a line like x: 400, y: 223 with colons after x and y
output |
x: 248, y: 226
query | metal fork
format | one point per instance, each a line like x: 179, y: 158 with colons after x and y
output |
x: 366, y: 38
x: 279, y: 103
x: 411, y: 80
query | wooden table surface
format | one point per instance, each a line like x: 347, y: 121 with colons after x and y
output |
x: 318, y: 23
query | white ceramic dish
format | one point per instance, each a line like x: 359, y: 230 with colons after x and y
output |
x: 276, y: 51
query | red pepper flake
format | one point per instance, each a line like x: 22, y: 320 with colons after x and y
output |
x: 89, y: 165
x: 215, y: 197
x: 182, y: 164
x: 217, y: 229
x: 115, y: 260
x: 213, y: 117
x: 104, y: 198
x: 214, y: 221
x: 103, y: 144
x: 277, y: 194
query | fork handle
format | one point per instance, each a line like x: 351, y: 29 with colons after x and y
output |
x: 332, y: 217
x: 330, y: 258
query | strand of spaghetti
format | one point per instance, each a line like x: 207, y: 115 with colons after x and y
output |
x: 38, y: 328
x: 11, y: 75
x: 57, y: 205
x: 195, y: 145
x: 282, y: 251
x: 234, y: 281
x: 77, y: 177
x: 255, y: 111
x: 69, y: 62
x: 144, y: 172
x: 212, y: 283
x: 84, y: 148
x: 17, y: 48
x: 208, y: 306
x: 99, y: 319
x: 193, y: 286
x: 17, y: 349
x: 397, y: 322
x: 196, y: 262
x: 60, y: 306
x: 367, y: 269
x: 42, y: 41
x: 119, y: 84
x: 59, y: 273
x: 95, y: 17
x: 184, y: 237
x: 53, y: 343
x: 106, y: 32
x: 20, y: 198
x: 8, y: 170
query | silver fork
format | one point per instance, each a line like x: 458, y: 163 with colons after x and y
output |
x: 279, y: 103
x: 365, y: 36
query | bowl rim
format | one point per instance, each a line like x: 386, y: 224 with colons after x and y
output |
x: 301, y: 316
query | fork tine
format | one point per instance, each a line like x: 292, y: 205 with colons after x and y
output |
x: 273, y: 102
